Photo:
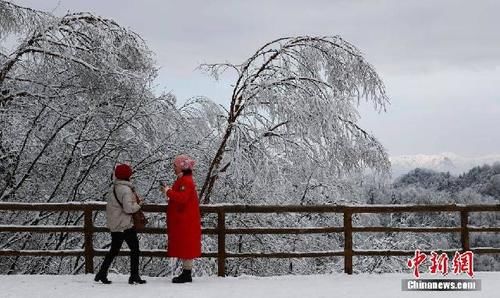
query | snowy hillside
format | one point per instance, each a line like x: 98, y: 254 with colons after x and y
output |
x: 311, y: 286
x: 444, y: 162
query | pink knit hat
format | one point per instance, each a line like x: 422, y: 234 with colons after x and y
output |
x: 184, y: 162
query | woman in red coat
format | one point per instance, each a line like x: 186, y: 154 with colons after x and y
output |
x: 183, y: 218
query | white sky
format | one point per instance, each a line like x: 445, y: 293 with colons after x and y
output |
x: 440, y: 60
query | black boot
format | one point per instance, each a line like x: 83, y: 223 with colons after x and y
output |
x: 102, y: 278
x: 184, y: 277
x: 136, y: 279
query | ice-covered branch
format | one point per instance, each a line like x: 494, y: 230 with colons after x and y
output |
x: 313, y: 84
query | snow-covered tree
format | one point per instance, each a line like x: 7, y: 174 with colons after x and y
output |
x: 72, y: 86
x: 296, y: 99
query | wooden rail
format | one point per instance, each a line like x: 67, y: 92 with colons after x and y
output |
x: 88, y: 229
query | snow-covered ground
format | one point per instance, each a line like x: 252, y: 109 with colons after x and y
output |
x: 336, y: 285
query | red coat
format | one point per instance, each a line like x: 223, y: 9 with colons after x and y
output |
x: 183, y: 220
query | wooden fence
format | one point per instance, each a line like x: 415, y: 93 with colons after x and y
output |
x: 88, y: 229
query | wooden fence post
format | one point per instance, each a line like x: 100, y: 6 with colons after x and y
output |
x: 464, y: 233
x: 347, y: 242
x: 221, y: 246
x: 88, y: 228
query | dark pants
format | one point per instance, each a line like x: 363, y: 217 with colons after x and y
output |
x: 117, y: 238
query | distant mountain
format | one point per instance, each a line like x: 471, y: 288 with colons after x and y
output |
x: 444, y: 162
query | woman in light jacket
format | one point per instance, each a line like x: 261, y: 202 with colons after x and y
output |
x: 183, y: 218
x: 122, y: 202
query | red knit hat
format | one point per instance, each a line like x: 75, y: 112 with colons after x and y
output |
x: 123, y: 172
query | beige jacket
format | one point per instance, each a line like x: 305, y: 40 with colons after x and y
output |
x: 119, y: 219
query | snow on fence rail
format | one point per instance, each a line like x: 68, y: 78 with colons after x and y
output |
x: 221, y: 231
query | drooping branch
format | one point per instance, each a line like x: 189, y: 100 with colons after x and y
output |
x: 302, y: 81
x: 71, y: 39
x: 16, y: 19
